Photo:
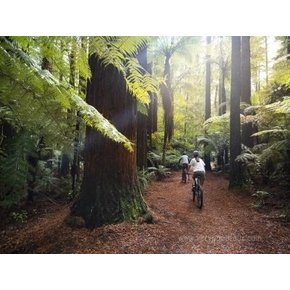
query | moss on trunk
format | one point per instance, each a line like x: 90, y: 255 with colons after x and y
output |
x: 111, y: 206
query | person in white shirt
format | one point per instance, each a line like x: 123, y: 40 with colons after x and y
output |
x: 197, y: 166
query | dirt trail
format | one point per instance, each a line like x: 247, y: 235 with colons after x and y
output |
x: 226, y: 224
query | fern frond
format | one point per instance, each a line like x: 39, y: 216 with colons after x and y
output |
x: 46, y: 96
x: 96, y: 120
x: 247, y: 158
x: 139, y: 84
x: 129, y: 45
x: 275, y: 132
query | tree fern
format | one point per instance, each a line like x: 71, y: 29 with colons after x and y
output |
x: 45, y: 96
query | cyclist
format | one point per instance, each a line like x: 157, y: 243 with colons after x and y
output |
x: 184, y: 160
x: 197, y: 166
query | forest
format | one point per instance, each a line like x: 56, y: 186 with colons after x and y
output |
x: 92, y: 129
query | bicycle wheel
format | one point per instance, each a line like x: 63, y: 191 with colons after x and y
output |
x: 199, y: 197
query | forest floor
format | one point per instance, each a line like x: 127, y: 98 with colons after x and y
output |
x: 226, y: 224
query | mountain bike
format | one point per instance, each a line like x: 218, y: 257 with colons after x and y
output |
x: 197, y: 192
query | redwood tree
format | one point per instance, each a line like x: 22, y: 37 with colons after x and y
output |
x: 247, y: 127
x: 246, y: 70
x: 235, y: 136
x: 109, y: 192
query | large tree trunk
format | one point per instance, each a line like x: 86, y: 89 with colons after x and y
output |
x: 246, y: 70
x: 109, y: 192
x: 235, y: 137
x: 247, y: 130
x: 142, y: 121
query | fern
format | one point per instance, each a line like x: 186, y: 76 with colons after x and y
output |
x: 120, y: 52
x: 96, y: 120
x: 145, y: 178
x: 275, y: 132
x: 48, y: 99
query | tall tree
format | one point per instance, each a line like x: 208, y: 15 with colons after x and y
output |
x: 245, y: 70
x: 222, y: 157
x: 167, y: 101
x: 235, y: 137
x: 208, y: 81
x: 168, y: 47
x: 142, y: 120
x: 109, y: 191
x: 207, y: 98
x: 152, y: 112
x: 247, y: 127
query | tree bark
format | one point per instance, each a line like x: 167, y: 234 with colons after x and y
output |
x: 235, y: 137
x: 247, y: 130
x: 109, y: 191
x: 246, y: 70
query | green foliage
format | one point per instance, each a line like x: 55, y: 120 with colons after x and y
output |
x: 157, y: 140
x: 96, y: 120
x: 120, y: 52
x: 274, y: 133
x: 260, y: 198
x: 154, y: 158
x: 217, y: 136
x: 251, y: 163
x: 40, y: 101
x: 46, y: 181
x: 161, y: 172
x: 145, y: 177
x: 180, y: 145
x: 14, y: 169
x: 171, y: 160
x: 19, y: 217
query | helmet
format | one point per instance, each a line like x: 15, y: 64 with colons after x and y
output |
x: 184, y: 153
x: 195, y: 153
